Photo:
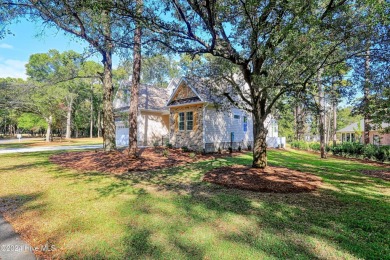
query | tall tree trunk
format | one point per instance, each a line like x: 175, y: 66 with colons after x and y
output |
x: 49, y: 121
x: 99, y: 124
x: 366, y: 98
x: 69, y: 119
x: 260, y: 141
x: 133, y: 111
x: 334, y: 121
x: 108, y: 89
x: 321, y: 114
x: 296, y: 122
x: 91, y: 116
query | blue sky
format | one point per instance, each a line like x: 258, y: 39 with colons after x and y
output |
x: 28, y: 39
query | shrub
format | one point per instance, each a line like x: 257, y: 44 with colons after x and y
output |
x: 185, y: 149
x: 301, y: 145
x: 169, y: 145
x: 369, y: 151
x: 219, y: 150
x: 358, y: 150
x: 249, y: 147
x: 192, y: 155
x: 239, y: 148
x: 165, y: 153
x: 315, y: 146
x: 230, y: 150
x: 155, y: 144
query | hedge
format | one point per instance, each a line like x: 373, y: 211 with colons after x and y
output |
x: 349, y: 149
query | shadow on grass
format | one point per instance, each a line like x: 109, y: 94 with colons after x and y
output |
x: 18, y: 203
x: 176, y: 215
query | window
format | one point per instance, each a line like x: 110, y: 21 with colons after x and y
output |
x: 376, y: 140
x: 245, y: 123
x: 181, y: 121
x: 237, y: 117
x: 190, y: 121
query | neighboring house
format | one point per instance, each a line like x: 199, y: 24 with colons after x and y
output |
x: 189, y: 117
x: 355, y: 132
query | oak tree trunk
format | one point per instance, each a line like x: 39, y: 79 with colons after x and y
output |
x: 108, y: 90
x: 133, y: 111
x: 334, y: 122
x: 260, y: 140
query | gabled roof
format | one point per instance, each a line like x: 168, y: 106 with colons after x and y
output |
x: 150, y: 98
x: 201, y: 90
x: 355, y: 127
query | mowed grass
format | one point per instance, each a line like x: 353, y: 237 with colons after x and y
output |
x: 36, y: 142
x: 172, y: 214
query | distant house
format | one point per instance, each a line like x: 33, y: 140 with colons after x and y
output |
x: 355, y: 132
x: 185, y: 114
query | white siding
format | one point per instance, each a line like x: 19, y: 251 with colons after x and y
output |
x: 219, y: 125
x: 151, y: 127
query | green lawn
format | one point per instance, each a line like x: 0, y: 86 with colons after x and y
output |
x: 172, y: 214
x: 35, y: 142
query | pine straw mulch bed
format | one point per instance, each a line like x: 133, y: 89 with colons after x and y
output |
x: 271, y: 179
x: 118, y: 162
x: 382, y: 174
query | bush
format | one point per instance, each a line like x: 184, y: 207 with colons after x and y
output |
x: 239, y: 148
x: 165, y: 153
x: 192, y: 155
x: 155, y: 144
x: 169, y: 145
x: 358, y: 150
x: 369, y: 151
x: 301, y: 145
x: 185, y: 149
x: 249, y: 147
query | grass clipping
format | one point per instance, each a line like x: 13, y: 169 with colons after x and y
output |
x: 271, y: 179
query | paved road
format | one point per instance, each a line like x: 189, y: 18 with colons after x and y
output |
x: 12, y: 247
x: 7, y: 141
x: 49, y: 148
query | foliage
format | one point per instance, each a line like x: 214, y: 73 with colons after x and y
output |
x: 358, y: 150
x: 192, y: 155
x: 165, y: 153
x: 345, y: 117
x: 168, y: 145
x: 185, y: 149
x: 308, y: 146
x: 31, y: 122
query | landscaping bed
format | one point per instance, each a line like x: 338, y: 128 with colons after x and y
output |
x: 382, y: 174
x: 271, y: 179
x: 118, y: 162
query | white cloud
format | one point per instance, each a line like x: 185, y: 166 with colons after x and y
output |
x: 13, y: 68
x: 6, y: 46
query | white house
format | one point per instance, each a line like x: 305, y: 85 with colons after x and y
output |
x: 189, y: 117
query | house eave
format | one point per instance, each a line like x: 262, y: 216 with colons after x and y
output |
x: 188, y: 104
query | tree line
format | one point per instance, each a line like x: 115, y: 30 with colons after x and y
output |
x: 260, y: 51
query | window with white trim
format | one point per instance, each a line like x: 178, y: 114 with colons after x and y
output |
x: 190, y: 121
x: 181, y: 121
x: 245, y: 123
